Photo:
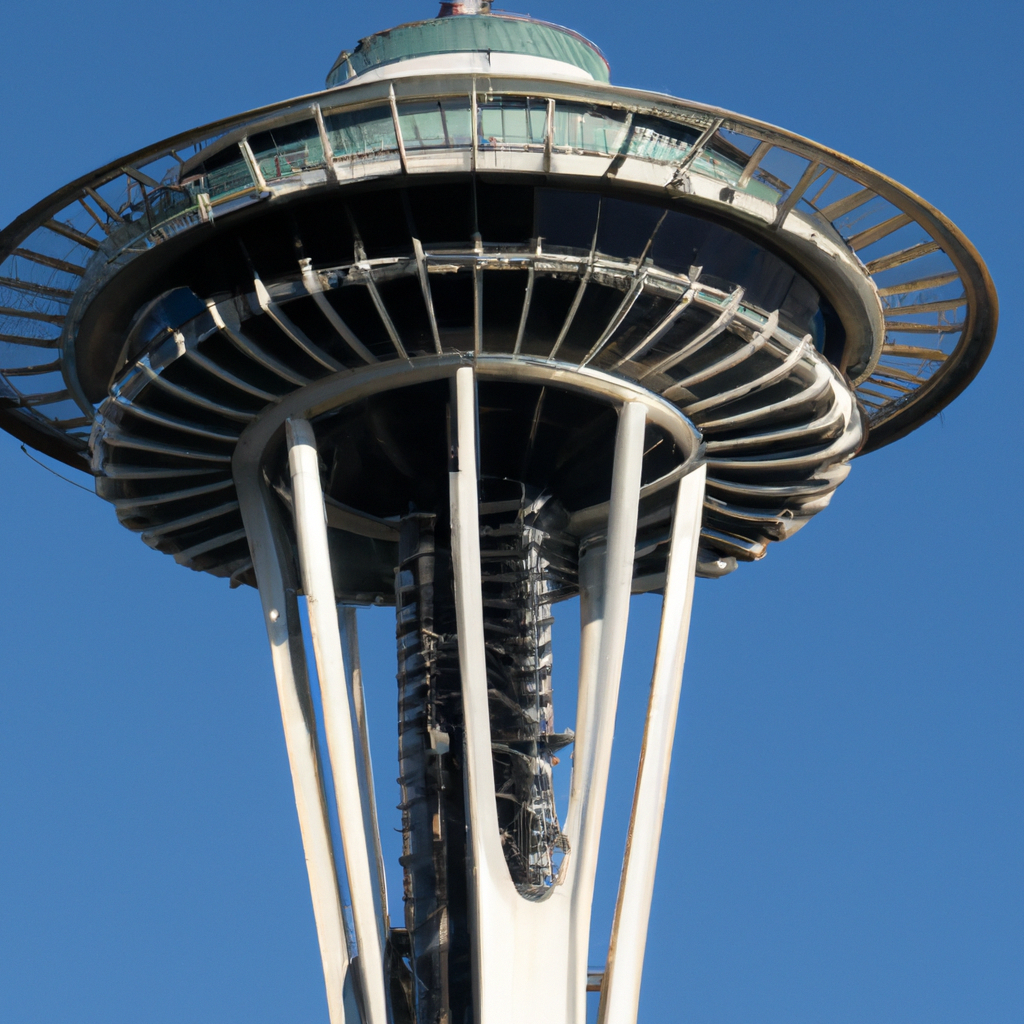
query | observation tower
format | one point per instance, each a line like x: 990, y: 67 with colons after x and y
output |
x: 471, y: 332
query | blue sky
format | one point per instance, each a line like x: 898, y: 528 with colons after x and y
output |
x: 843, y: 836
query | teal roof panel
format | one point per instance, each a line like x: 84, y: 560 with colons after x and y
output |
x: 480, y: 33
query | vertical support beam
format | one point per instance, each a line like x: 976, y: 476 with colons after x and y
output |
x: 610, y: 604
x: 620, y: 996
x: 484, y: 868
x: 473, y: 108
x: 275, y: 574
x: 325, y: 142
x: 252, y: 163
x: 398, y: 129
x: 371, y: 826
x: 318, y: 584
x: 549, y: 135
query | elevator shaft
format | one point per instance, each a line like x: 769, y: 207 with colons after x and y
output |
x: 527, y: 564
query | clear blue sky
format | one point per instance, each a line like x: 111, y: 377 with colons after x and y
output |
x: 844, y: 834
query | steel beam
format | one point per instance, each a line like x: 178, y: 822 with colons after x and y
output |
x: 318, y: 584
x: 278, y: 586
x: 620, y: 995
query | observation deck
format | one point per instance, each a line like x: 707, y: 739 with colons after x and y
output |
x: 797, y: 306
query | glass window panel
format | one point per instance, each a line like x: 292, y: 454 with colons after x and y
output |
x: 225, y: 173
x: 516, y: 121
x: 424, y: 126
x: 491, y: 128
x: 458, y: 120
x: 588, y: 129
x: 288, y: 149
x: 362, y: 131
x: 653, y: 138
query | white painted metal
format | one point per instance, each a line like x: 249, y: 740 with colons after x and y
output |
x: 475, y: 63
x: 277, y: 586
x: 318, y: 584
x: 368, y: 799
x: 530, y: 954
x: 608, y: 603
x: 620, y: 994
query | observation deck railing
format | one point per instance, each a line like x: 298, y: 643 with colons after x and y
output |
x: 938, y: 302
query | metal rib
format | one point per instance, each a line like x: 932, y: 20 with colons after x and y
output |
x: 17, y: 339
x: 905, y: 327
x: 780, y: 437
x: 268, y: 362
x: 897, y: 259
x: 31, y: 288
x: 216, y: 370
x: 170, y: 496
x: 573, y: 310
x: 822, y: 381
x: 629, y: 300
x: 913, y: 352
x: 728, y: 362
x: 939, y: 306
x: 696, y: 149
x: 187, y: 521
x: 848, y: 203
x: 428, y: 299
x: 382, y: 312
x: 143, y: 445
x: 67, y: 231
x: 50, y: 261
x: 527, y: 300
x: 311, y: 280
x: 743, y: 390
x: 920, y: 285
x: 760, y: 152
x: 183, y: 557
x: 31, y: 371
x: 283, y: 321
x: 198, y: 400
x: 172, y: 422
x: 29, y: 314
x: 709, y: 333
x: 813, y: 171
x: 120, y: 472
x: 879, y: 231
x: 654, y: 336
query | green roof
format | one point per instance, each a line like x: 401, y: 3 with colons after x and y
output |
x: 471, y: 33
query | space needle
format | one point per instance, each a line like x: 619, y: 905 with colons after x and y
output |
x: 468, y: 333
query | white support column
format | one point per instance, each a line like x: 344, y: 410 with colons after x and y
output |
x: 529, y: 954
x: 277, y: 586
x: 318, y: 584
x: 609, y: 605
x: 371, y: 826
x: 620, y: 994
x: 485, y: 861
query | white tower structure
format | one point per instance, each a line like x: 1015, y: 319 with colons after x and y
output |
x: 471, y: 332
